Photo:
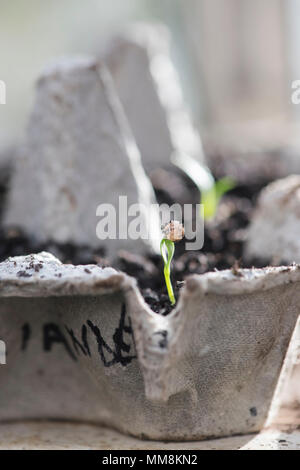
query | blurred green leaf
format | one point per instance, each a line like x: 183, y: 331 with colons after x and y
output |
x: 211, y: 198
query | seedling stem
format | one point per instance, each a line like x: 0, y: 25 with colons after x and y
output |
x: 167, y: 249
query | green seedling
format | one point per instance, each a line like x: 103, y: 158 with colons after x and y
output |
x: 173, y: 232
x: 211, y: 191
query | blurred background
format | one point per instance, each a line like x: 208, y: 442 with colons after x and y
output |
x: 236, y: 58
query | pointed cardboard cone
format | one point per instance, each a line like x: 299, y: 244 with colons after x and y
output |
x: 275, y: 225
x: 149, y: 89
x: 285, y: 412
x: 89, y: 348
x: 80, y: 154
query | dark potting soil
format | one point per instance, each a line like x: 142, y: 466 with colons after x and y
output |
x: 223, y: 241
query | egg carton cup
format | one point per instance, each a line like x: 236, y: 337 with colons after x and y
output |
x: 82, y: 345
